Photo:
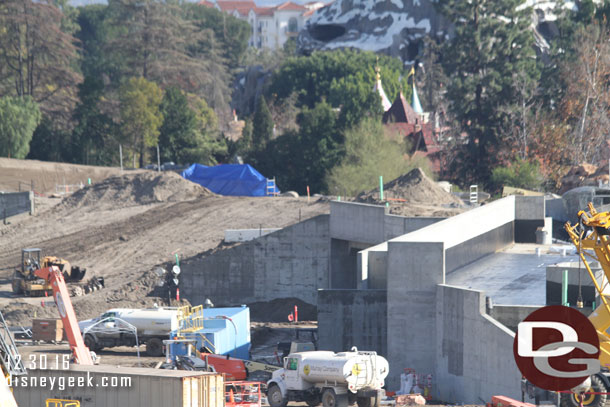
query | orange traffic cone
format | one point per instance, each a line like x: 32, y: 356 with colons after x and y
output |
x: 231, y: 397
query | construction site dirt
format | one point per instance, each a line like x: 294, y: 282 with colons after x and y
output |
x: 121, y: 227
x: 265, y: 337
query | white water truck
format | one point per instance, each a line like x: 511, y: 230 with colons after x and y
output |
x: 329, y: 378
x: 118, y: 327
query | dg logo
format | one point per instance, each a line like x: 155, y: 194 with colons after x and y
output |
x: 556, y: 348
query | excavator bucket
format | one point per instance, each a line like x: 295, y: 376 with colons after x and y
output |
x: 76, y: 274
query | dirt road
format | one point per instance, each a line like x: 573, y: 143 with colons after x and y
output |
x: 124, y: 231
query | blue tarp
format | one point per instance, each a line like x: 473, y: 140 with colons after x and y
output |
x: 229, y: 179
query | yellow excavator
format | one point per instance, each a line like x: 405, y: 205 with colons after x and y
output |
x: 27, y: 283
x: 591, y: 236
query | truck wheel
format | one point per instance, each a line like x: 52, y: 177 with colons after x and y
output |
x: 365, y: 401
x: 154, y: 347
x: 352, y: 399
x: 314, y: 401
x: 331, y: 399
x: 275, y: 398
x: 590, y: 400
x: 90, y: 343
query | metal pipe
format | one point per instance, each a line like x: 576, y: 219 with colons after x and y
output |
x: 564, y: 289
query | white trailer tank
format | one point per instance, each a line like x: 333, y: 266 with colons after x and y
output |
x: 151, y: 321
x: 357, y: 370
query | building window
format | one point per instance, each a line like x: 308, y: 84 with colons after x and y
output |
x: 293, y: 25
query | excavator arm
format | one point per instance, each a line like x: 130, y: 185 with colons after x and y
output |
x: 591, y: 236
x: 55, y: 278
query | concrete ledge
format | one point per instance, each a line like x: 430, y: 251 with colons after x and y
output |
x: 357, y: 222
x: 245, y: 235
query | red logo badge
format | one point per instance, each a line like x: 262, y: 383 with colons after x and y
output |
x: 556, y: 348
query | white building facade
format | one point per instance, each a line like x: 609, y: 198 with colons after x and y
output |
x: 271, y: 26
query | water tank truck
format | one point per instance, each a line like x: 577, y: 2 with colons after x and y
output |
x: 118, y: 327
x: 329, y: 378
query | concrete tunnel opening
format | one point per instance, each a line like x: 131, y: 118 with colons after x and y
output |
x: 326, y: 32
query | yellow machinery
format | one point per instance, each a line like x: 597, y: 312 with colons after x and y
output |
x: 25, y: 280
x: 62, y: 403
x: 591, y: 236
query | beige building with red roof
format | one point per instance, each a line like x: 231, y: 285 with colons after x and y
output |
x: 271, y: 26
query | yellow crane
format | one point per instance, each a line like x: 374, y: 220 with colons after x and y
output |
x: 591, y: 236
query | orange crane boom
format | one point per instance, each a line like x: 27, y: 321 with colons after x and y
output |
x: 81, y: 353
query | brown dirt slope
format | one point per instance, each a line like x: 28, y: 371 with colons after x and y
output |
x: 124, y: 227
x: 139, y: 188
x: 21, y: 174
x: 414, y: 187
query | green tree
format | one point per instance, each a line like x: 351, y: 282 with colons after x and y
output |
x: 519, y: 174
x: 93, y: 140
x: 49, y: 143
x: 492, y: 42
x: 369, y: 153
x: 344, y: 78
x: 357, y: 100
x: 262, y: 125
x: 140, y: 115
x: 231, y: 33
x: 38, y: 56
x: 303, y: 158
x: 188, y: 133
x: 18, y: 120
x: 177, y: 134
x: 153, y: 39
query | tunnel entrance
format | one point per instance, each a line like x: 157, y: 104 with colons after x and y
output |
x: 326, y: 32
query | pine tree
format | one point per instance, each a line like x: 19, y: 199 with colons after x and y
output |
x: 492, y: 45
x: 140, y: 115
x: 262, y: 126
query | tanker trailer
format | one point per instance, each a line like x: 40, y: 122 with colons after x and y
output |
x: 328, y: 378
x: 118, y: 327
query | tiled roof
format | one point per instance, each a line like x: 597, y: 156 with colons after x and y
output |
x: 242, y: 7
x: 290, y: 6
x: 264, y: 11
x: 400, y: 112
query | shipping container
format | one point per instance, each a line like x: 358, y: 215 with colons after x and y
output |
x: 105, y: 386
x: 49, y: 330
x: 225, y: 331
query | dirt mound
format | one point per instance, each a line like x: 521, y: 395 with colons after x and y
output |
x: 139, y: 188
x: 278, y: 310
x: 413, y: 187
x: 584, y: 175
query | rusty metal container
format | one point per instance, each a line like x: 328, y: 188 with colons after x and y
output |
x: 49, y: 330
x: 102, y: 386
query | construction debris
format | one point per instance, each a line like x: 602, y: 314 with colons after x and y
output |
x: 413, y: 187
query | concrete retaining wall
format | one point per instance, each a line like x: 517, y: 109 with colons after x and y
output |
x: 349, y: 318
x: 357, y: 222
x: 358, y: 226
x: 371, y: 224
x: 474, y: 352
x: 511, y: 315
x: 14, y: 203
x: 292, y: 262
